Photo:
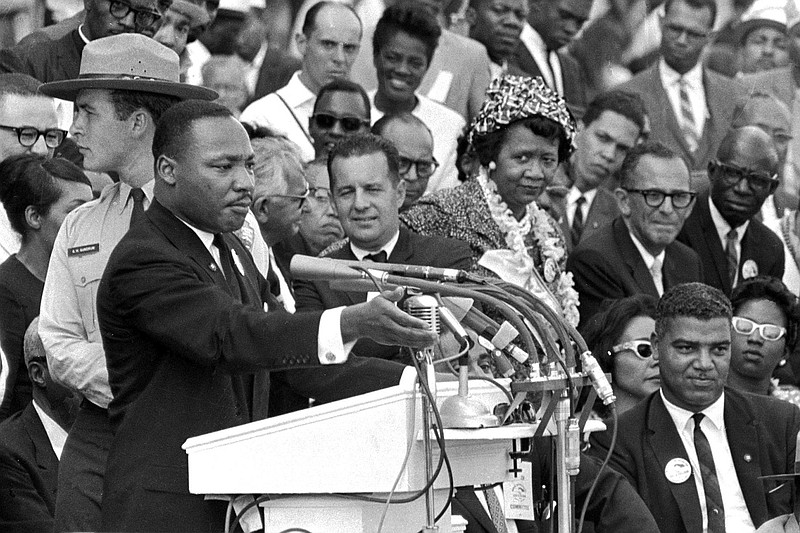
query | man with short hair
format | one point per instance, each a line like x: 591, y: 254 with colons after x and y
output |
x: 414, y: 143
x: 195, y: 368
x: 329, y: 44
x: 30, y: 445
x: 341, y: 108
x: 690, y: 107
x: 694, y: 450
x: 177, y: 23
x: 610, y: 128
x: 552, y: 25
x: 497, y: 24
x: 637, y: 252
x: 59, y: 59
x: 723, y: 230
x: 127, y: 81
x: 368, y: 192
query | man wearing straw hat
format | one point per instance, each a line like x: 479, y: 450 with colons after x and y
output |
x: 126, y: 82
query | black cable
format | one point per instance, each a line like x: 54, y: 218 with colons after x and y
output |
x: 602, y: 466
x: 240, y: 514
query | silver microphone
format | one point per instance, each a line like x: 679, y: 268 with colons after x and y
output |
x: 426, y: 308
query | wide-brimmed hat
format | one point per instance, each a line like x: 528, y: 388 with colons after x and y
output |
x: 762, y: 13
x: 128, y: 61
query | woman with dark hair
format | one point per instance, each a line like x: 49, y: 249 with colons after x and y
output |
x: 619, y: 338
x: 37, y: 194
x: 519, y: 137
x: 765, y: 327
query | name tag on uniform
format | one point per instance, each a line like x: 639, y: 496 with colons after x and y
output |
x: 83, y: 250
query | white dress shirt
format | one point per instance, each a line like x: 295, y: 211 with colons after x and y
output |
x: 722, y: 231
x: 55, y: 433
x: 9, y: 239
x: 572, y: 203
x: 361, y: 253
x: 737, y: 517
x: 649, y: 261
x: 671, y: 81
x: 548, y: 62
x: 291, y: 121
x: 68, y: 322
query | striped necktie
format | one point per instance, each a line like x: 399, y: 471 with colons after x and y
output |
x: 688, y: 122
x: 715, y: 510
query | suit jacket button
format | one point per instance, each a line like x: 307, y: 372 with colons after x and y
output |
x: 330, y: 357
x: 748, y: 458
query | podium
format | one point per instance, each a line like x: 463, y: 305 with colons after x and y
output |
x: 310, y: 460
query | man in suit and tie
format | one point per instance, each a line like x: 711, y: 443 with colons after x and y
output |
x: 690, y: 107
x: 552, y: 25
x: 695, y: 449
x: 30, y: 446
x: 181, y: 310
x: 611, y: 127
x: 637, y: 252
x: 368, y: 192
x: 722, y: 229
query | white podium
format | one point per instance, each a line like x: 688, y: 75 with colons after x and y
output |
x: 304, y: 460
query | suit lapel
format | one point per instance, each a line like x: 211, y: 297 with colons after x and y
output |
x: 666, y: 112
x: 712, y: 242
x: 715, y: 120
x: 346, y: 253
x: 666, y: 444
x: 46, y: 458
x: 633, y: 259
x: 743, y: 427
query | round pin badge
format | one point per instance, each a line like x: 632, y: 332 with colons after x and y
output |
x: 749, y: 269
x: 678, y: 470
x: 550, y: 270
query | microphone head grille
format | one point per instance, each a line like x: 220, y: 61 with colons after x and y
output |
x: 425, y: 307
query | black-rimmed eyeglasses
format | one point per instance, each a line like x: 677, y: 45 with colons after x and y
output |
x: 28, y: 135
x: 425, y: 167
x: 656, y: 197
x: 141, y: 17
x: 733, y: 174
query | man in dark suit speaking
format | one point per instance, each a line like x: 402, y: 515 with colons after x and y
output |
x: 181, y: 311
x: 368, y: 192
x: 694, y: 450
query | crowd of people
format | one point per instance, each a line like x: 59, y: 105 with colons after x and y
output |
x: 633, y: 164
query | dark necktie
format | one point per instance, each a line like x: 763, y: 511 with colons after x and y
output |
x: 730, y: 253
x: 379, y: 257
x: 138, y: 206
x: 708, y: 472
x: 274, y: 282
x: 577, y: 220
x: 227, y: 266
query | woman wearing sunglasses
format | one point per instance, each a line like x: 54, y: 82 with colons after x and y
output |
x: 619, y: 338
x: 764, y: 333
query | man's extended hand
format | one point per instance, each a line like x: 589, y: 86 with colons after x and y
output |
x: 381, y: 320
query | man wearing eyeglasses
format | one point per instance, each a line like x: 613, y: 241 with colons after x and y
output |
x: 637, y: 252
x: 734, y: 245
x: 341, y: 108
x: 695, y: 449
x: 690, y: 107
x: 53, y: 60
x: 414, y: 143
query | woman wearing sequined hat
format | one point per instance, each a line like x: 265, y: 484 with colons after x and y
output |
x: 521, y: 134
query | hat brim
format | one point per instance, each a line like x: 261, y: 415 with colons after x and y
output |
x: 744, y: 29
x: 68, y: 89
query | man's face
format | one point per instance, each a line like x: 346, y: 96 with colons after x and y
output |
x: 693, y: 358
x: 103, y: 139
x: 347, y: 108
x: 414, y: 143
x: 738, y: 200
x: 773, y: 118
x: 99, y: 22
x: 655, y: 227
x: 329, y: 51
x: 17, y: 111
x: 285, y: 209
x: 685, y: 31
x: 400, y: 65
x: 558, y: 21
x: 498, y: 24
x: 228, y: 82
x: 319, y: 225
x: 366, y: 200
x: 214, y: 176
x: 174, y: 31
x: 602, y: 146
x: 764, y: 48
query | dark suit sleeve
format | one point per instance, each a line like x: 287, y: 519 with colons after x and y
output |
x: 594, y: 278
x: 163, y: 297
x: 621, y: 461
x: 22, y: 508
x: 307, y: 296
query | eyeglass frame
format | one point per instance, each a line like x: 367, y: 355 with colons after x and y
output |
x: 633, y: 346
x: 760, y: 327
x: 312, y: 193
x: 302, y: 198
x: 770, y: 183
x: 39, y: 133
x: 341, y: 120
x: 402, y: 160
x: 671, y: 195
x: 136, y: 13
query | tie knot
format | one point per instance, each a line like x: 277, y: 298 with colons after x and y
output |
x: 379, y: 257
x: 219, y: 242
x: 698, y: 418
x: 581, y: 200
x: 657, y: 264
x: 137, y: 195
x: 733, y: 234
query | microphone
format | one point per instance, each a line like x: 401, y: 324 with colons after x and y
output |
x: 325, y: 269
x: 411, y: 271
x: 485, y: 327
x: 426, y: 308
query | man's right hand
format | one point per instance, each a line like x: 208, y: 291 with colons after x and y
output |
x: 382, y: 321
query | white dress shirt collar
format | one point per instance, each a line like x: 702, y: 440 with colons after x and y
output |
x: 361, y: 253
x: 649, y: 259
x: 723, y: 227
x: 669, y: 77
x: 205, y: 237
x: 125, y: 194
x: 82, y: 35
x: 715, y: 413
x: 295, y: 92
x: 55, y: 433
x: 572, y: 205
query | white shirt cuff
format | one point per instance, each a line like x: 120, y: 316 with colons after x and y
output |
x: 331, y: 350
